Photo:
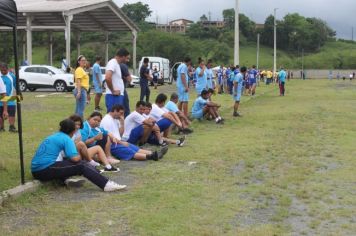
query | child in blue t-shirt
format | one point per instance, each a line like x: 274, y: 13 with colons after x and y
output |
x: 237, y: 89
x: 202, y: 107
x: 172, y: 107
x: 9, y: 81
x: 57, y: 158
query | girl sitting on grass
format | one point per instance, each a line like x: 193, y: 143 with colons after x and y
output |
x: 91, y: 153
x: 57, y: 159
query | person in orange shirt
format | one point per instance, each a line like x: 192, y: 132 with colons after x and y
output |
x: 80, y: 92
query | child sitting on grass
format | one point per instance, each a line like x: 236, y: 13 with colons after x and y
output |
x: 202, y: 107
x: 57, y: 158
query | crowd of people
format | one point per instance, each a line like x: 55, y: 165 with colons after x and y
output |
x: 96, y: 144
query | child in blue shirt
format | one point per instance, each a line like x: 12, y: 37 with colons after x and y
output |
x: 57, y: 158
x: 237, y: 89
x: 9, y: 81
x: 172, y: 107
x: 202, y: 107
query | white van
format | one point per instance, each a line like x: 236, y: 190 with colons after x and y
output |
x: 162, y: 65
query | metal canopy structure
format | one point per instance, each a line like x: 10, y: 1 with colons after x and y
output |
x: 73, y: 16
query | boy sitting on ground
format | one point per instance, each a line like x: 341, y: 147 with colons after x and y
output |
x: 152, y: 139
x: 114, y: 123
x: 202, y: 107
x: 171, y: 106
x: 138, y: 128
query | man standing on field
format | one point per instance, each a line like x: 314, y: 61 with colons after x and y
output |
x: 182, y: 85
x: 282, y: 80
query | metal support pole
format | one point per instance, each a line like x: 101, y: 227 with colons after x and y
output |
x: 50, y: 47
x: 275, y: 44
x: 78, y: 43
x: 106, y: 47
x: 68, y: 19
x: 19, y: 115
x: 23, y: 47
x: 258, y: 51
x: 134, y: 60
x: 303, y: 77
x: 29, y: 38
x: 237, y: 35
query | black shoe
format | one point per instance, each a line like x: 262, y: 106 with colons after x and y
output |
x: 187, y: 131
x: 98, y: 108
x: 2, y: 129
x: 181, y: 141
x: 112, y: 169
x: 235, y: 114
x: 153, y: 156
x: 164, y: 150
x: 163, y: 144
x: 12, y: 129
x: 159, y: 154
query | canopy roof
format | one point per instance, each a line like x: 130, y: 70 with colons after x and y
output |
x: 88, y: 15
x: 8, y: 13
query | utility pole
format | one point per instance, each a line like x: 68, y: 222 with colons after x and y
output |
x: 258, y: 51
x: 303, y: 63
x: 352, y: 33
x: 275, y: 44
x: 237, y: 34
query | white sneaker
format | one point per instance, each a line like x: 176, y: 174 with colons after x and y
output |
x: 94, y: 163
x: 112, y: 186
x: 76, y: 183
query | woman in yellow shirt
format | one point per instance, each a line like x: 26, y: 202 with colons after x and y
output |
x: 81, y: 79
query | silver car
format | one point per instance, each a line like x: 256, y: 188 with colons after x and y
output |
x: 42, y: 76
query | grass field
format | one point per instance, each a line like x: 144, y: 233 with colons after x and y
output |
x: 287, y: 167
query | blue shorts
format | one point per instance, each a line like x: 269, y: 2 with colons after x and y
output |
x: 237, y: 98
x: 97, y: 88
x: 199, y: 90
x: 135, y: 134
x: 122, y: 152
x: 210, y: 83
x: 152, y: 139
x: 111, y: 100
x: 198, y: 114
x: 164, y: 124
x: 10, y: 109
x: 252, y: 81
x: 183, y: 96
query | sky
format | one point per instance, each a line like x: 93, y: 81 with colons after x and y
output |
x: 340, y: 15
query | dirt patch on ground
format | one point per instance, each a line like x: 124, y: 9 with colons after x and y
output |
x: 14, y: 218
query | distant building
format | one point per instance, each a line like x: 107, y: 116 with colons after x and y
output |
x: 259, y: 26
x: 181, y: 22
x: 217, y: 24
x: 175, y: 26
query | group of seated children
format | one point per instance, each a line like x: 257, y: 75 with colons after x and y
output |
x: 81, y: 147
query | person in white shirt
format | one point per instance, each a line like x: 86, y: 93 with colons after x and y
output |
x: 152, y: 139
x: 164, y: 118
x: 114, y: 123
x: 115, y: 87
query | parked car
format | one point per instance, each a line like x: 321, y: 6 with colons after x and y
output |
x: 42, y: 76
x: 162, y: 65
x: 135, y: 80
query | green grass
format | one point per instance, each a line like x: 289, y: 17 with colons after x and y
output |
x: 286, y: 167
